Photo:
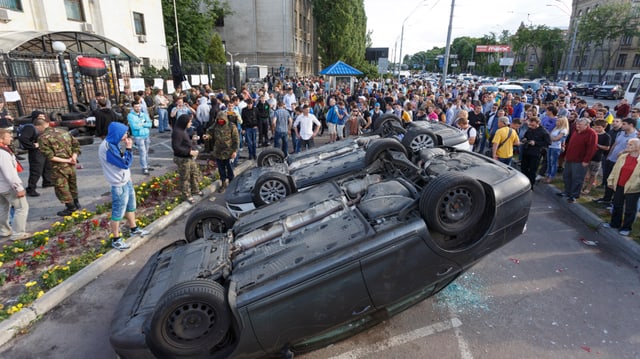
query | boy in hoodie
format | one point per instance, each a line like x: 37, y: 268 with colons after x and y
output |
x: 184, y: 157
x: 115, y: 166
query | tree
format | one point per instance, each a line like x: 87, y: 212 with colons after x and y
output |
x: 196, y: 25
x: 215, y: 51
x: 542, y: 43
x: 341, y: 27
x: 602, y: 28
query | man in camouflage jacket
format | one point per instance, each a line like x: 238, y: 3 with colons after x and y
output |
x: 62, y: 149
x: 224, y: 139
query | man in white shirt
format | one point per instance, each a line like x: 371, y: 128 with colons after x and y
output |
x: 306, y: 121
x: 289, y: 98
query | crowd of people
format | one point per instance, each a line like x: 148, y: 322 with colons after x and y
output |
x: 542, y: 132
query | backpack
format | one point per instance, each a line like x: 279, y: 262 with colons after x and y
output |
x: 21, y: 130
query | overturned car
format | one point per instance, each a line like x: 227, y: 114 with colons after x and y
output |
x: 322, y: 264
x: 277, y: 177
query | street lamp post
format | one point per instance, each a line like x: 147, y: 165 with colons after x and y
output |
x: 448, y: 48
x: 115, y: 52
x: 573, y: 36
x: 402, y: 36
x: 59, y: 47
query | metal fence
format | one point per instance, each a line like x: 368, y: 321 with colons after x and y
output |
x: 46, y: 84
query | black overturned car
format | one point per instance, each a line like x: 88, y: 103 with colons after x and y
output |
x: 277, y: 177
x: 323, y: 264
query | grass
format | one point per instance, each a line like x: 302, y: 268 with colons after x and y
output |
x: 586, y: 200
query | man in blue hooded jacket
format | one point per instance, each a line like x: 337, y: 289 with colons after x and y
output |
x: 115, y: 166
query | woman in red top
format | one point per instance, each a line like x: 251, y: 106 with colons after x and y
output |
x: 625, y: 181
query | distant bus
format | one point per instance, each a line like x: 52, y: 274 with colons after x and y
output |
x: 632, y: 89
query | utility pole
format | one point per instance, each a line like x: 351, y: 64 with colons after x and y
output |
x: 448, y: 49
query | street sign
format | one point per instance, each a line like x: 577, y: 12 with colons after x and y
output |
x: 493, y: 48
x: 471, y: 63
x: 506, y: 61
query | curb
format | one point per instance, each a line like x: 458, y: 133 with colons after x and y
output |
x: 22, y: 319
x: 612, y: 242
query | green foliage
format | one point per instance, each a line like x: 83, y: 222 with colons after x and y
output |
x: 148, y: 73
x: 341, y: 30
x: 196, y: 25
x: 215, y: 51
x: 519, y: 69
x: 543, y: 43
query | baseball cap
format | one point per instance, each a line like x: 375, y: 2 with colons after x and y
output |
x: 377, y: 104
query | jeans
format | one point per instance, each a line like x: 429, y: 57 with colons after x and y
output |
x: 264, y: 131
x: 607, y: 167
x: 506, y: 161
x: 281, y: 136
x: 224, y: 167
x: 573, y: 177
x: 624, y: 204
x: 10, y: 200
x: 252, y: 137
x: 123, y: 198
x: 143, y: 149
x: 163, y: 120
x: 552, y: 162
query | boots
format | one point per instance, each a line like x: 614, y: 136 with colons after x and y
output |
x: 223, y: 186
x: 68, y: 211
x: 77, y: 203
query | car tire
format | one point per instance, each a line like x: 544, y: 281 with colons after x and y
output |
x: 215, y: 219
x: 452, y: 204
x: 80, y: 107
x: 270, y: 187
x: 388, y: 125
x: 418, y: 139
x: 379, y: 147
x: 190, y: 320
x: 55, y: 116
x: 85, y: 140
x: 269, y: 157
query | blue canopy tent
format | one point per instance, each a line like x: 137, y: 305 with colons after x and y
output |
x: 340, y: 74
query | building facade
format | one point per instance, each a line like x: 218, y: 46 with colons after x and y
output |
x: 272, y: 33
x: 582, y: 61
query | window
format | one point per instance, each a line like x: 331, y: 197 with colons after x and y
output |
x: 138, y: 23
x: 532, y: 58
x: 622, y: 59
x: 626, y: 40
x: 22, y: 69
x: 11, y: 4
x: 636, y: 60
x: 74, y: 10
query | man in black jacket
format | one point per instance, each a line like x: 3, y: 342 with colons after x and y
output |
x: 39, y: 166
x: 264, y: 114
x: 250, y: 127
x: 477, y: 120
x: 104, y: 116
x: 534, y: 141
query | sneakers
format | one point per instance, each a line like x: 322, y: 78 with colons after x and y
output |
x: 562, y: 194
x: 137, y: 231
x: 571, y: 200
x: 624, y: 232
x: 606, y: 225
x: 145, y: 171
x: 119, y: 244
x: 601, y: 201
x: 20, y: 236
x: 539, y: 177
x: 33, y: 194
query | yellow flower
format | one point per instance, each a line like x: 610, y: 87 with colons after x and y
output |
x: 65, y: 268
x: 30, y: 284
x: 45, y: 276
x: 99, y: 255
x: 166, y: 213
x: 46, y: 239
x: 46, y: 231
x: 19, y: 305
x: 68, y: 262
x: 157, y: 206
x: 102, y: 241
x: 168, y: 208
x: 40, y: 293
x: 1, y: 264
x: 1, y: 306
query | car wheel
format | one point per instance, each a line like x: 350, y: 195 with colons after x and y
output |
x: 452, y: 204
x: 388, y: 125
x: 85, y: 140
x: 419, y: 139
x: 190, y: 320
x: 269, y: 157
x: 379, y: 148
x: 202, y: 222
x: 271, y: 187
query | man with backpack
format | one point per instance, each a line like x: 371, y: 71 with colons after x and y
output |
x: 39, y: 166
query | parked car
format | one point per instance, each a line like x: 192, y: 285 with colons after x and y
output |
x: 275, y: 178
x: 322, y: 264
x: 613, y: 92
x: 513, y: 89
x: 584, y: 88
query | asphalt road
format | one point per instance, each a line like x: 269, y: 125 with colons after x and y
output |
x: 544, y: 295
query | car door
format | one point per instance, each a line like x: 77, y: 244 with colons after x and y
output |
x: 309, y: 308
x: 405, y: 267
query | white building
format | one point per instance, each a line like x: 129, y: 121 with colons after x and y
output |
x: 125, y: 34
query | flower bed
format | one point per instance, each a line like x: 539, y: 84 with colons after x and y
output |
x: 29, y: 268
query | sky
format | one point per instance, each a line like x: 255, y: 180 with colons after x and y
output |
x: 427, y: 21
